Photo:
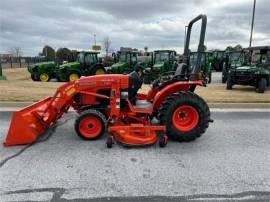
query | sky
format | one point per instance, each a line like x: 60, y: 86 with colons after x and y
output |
x: 157, y: 24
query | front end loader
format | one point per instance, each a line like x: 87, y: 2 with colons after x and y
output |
x: 112, y: 103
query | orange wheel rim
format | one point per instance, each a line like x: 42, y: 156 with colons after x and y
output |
x: 90, y: 127
x: 185, y: 118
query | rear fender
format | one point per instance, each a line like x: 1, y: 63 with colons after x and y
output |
x: 171, y: 89
x: 98, y: 65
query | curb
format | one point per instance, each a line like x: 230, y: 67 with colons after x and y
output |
x: 239, y: 105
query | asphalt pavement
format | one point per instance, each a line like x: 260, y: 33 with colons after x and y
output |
x: 231, y: 161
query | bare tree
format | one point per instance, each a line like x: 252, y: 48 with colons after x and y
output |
x: 16, y: 52
x: 107, y: 45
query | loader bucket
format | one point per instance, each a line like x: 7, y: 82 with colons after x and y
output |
x: 28, y: 123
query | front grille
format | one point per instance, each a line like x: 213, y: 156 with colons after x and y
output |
x: 243, y: 76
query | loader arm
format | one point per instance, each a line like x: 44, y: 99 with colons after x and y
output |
x: 28, y: 123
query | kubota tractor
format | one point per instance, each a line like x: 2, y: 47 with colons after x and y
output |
x: 112, y: 103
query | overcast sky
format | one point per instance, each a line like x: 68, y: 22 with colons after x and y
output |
x: 158, y: 24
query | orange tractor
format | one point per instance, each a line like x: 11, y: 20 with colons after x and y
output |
x: 112, y: 103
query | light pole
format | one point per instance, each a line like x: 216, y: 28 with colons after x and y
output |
x: 252, y: 24
x: 95, y: 39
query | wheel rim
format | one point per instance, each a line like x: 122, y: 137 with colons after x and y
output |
x: 44, y: 77
x: 100, y: 71
x: 90, y: 126
x: 73, y: 77
x: 185, y: 118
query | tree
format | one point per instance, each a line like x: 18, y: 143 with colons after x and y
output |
x: 107, y: 45
x: 48, y: 52
x: 64, y: 54
x: 229, y: 48
x: 74, y: 54
x: 238, y: 47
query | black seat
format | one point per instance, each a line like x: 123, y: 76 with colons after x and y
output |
x: 181, y: 70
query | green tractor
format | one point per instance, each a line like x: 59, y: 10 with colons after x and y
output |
x: 217, y: 59
x: 206, y: 67
x: 42, y: 71
x: 87, y: 64
x: 163, y: 61
x: 125, y: 61
x: 146, y: 60
x: 254, y: 71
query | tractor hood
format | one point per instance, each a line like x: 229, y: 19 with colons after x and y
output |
x: 118, y: 64
x: 32, y: 67
x: 157, y: 66
x: 118, y: 67
x: 70, y: 65
x: 252, y: 69
x: 246, y: 69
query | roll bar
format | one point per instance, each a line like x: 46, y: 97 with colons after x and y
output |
x: 200, y: 49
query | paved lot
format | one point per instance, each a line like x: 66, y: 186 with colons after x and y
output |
x: 230, y: 162
x: 216, y: 77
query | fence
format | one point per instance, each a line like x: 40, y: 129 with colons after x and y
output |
x: 20, y: 62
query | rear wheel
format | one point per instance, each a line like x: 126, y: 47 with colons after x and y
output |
x: 90, y: 125
x: 185, y: 115
x: 44, y: 77
x: 262, y: 85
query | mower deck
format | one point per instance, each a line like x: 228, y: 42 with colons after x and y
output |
x: 136, y: 134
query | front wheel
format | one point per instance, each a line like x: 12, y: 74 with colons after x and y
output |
x: 185, y: 115
x: 90, y: 125
x: 73, y: 76
x: 44, y: 77
x: 163, y: 141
